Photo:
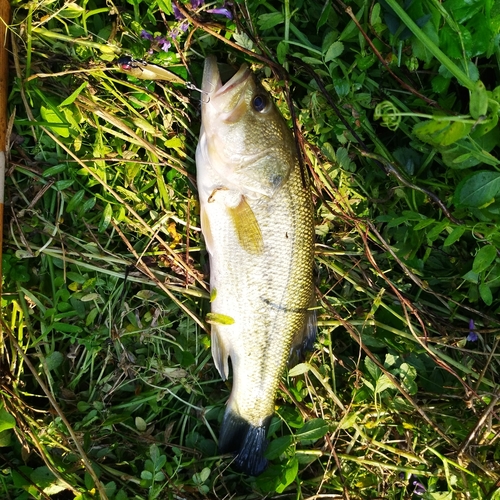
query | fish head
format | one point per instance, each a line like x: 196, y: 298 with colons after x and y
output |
x: 244, y: 138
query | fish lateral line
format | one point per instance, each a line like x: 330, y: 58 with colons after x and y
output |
x: 279, y: 307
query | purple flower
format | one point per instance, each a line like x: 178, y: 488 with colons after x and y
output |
x: 173, y: 34
x: 163, y: 44
x: 184, y: 26
x: 472, y: 337
x: 223, y: 11
x: 146, y: 35
x: 196, y: 4
x: 418, y: 488
x: 177, y: 13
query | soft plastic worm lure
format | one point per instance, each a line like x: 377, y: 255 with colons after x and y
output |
x: 147, y: 71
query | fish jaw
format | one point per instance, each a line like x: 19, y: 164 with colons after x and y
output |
x: 223, y: 102
x: 252, y: 151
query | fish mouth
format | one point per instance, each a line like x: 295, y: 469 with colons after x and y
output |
x: 231, y: 90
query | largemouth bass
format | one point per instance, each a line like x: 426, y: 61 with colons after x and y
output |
x: 257, y: 222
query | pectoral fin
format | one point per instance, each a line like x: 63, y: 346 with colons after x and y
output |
x: 247, y: 227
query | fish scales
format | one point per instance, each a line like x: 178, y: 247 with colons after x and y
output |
x: 257, y: 220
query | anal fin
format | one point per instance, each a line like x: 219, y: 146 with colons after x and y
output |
x: 220, y: 354
x: 206, y: 230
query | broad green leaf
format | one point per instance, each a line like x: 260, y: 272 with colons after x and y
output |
x: 375, y: 14
x: 42, y: 476
x: 70, y: 99
x: 440, y: 132
x: 243, y: 40
x: 105, y: 218
x: 471, y: 276
x: 121, y: 495
x: 440, y: 84
x: 348, y: 421
x: 434, y: 233
x: 76, y: 201
x: 312, y: 60
x: 140, y: 424
x: 373, y: 369
x: 159, y: 476
x: 278, y: 446
x: 154, y: 453
x: 5, y: 438
x: 54, y: 359
x: 454, y: 236
x: 144, y: 125
x: 64, y: 184
x: 312, y: 430
x: 91, y: 316
x: 270, y: 20
x: 147, y: 475
x: 282, y: 51
x: 110, y: 488
x: 334, y: 51
x: 71, y: 11
x: 289, y: 474
x: 299, y: 369
x: 368, y: 384
x: 423, y: 224
x: 457, y: 150
x: 408, y: 374
x: 90, y: 296
x: 453, y: 133
x: 485, y: 126
x: 383, y: 383
x: 204, y: 474
x: 7, y: 421
x: 269, y: 480
x: 478, y: 189
x: 54, y: 121
x: 485, y: 293
x: 440, y: 495
x: 484, y: 258
x: 478, y: 100
x: 66, y: 328
x: 56, y: 169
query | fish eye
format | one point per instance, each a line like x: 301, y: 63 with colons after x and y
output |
x: 259, y: 103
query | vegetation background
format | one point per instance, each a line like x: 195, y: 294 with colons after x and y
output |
x: 108, y: 389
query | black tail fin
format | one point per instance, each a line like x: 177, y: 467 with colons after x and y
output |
x: 248, y: 442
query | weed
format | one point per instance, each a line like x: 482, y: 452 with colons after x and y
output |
x: 108, y: 386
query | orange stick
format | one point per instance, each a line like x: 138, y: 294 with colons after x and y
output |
x: 4, y: 92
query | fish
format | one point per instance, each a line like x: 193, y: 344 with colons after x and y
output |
x: 257, y: 221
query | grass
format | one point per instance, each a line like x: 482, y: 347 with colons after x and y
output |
x: 107, y: 383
